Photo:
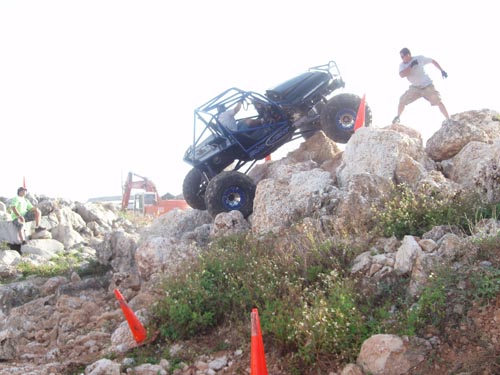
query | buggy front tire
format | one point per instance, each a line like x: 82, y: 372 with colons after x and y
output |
x: 228, y: 191
x: 338, y: 117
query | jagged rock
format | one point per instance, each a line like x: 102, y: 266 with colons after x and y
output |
x: 406, y: 255
x: 9, y: 232
x: 451, y: 138
x: 67, y: 236
x: 473, y: 165
x: 481, y: 126
x: 422, y: 268
x: 161, y: 255
x: 9, y: 257
x: 91, y: 212
x: 118, y: 250
x: 354, y: 207
x: 66, y: 216
x: 319, y: 149
x: 392, y: 355
x: 449, y: 245
x: 379, y: 152
x: 352, y: 369
x: 317, y: 186
x: 176, y: 223
x: 47, y: 248
x: 227, y: 223
x: 279, y: 202
x: 103, y: 367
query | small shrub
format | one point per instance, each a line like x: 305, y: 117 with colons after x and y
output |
x: 305, y: 305
x: 385, y: 307
x: 329, y: 322
x: 430, y: 307
x: 488, y: 248
x: 485, y: 283
x: 408, y: 212
x: 60, y: 265
x: 57, y: 266
x: 219, y: 286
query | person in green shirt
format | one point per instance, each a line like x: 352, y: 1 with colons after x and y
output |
x: 22, y: 211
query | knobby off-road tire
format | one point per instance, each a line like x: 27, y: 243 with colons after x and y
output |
x: 194, y: 188
x: 230, y: 190
x: 339, y: 116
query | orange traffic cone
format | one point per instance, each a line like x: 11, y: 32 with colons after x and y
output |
x: 134, y: 323
x: 258, y: 358
x: 268, y: 158
x: 360, y: 117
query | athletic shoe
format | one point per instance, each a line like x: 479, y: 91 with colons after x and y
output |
x: 39, y: 229
x: 396, y: 120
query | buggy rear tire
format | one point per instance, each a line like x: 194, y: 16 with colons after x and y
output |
x: 194, y: 188
x: 228, y: 191
x: 339, y: 116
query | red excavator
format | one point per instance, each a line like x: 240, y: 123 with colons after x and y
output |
x: 148, y: 201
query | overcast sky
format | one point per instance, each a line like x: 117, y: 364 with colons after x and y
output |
x: 90, y: 90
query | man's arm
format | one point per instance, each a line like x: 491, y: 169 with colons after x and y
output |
x: 237, y: 108
x: 19, y: 216
x: 405, y: 72
x: 436, y: 64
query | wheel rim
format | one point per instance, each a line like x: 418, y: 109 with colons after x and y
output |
x: 345, y: 119
x: 234, y: 198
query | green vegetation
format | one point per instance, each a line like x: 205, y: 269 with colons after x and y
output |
x: 406, y: 212
x: 62, y: 265
x: 312, y: 310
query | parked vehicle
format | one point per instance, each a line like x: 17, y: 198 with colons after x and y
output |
x: 296, y: 108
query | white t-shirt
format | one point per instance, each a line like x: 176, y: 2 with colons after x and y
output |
x: 227, y: 119
x: 417, y: 76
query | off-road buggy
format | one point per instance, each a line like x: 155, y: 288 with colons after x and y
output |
x: 296, y: 108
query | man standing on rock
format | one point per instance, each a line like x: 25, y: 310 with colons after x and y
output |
x: 22, y: 211
x: 421, y: 84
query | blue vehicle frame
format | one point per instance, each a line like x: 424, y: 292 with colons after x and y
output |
x: 296, y: 108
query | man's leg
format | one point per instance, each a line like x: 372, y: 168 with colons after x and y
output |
x: 434, y: 97
x: 22, y: 239
x: 401, y: 108
x: 408, y: 97
x: 443, y: 110
x: 37, y: 214
x: 20, y: 231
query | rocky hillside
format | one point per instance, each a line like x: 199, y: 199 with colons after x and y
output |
x: 72, y: 323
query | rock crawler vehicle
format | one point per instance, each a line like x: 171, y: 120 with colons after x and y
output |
x: 296, y: 108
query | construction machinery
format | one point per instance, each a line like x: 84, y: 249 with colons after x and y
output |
x: 147, y: 201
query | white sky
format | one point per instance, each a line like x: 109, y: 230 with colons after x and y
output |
x: 90, y: 90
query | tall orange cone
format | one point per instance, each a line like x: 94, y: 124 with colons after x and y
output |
x: 258, y: 358
x: 134, y: 323
x: 360, y: 117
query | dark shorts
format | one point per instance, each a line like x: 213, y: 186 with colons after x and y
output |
x: 29, y: 216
